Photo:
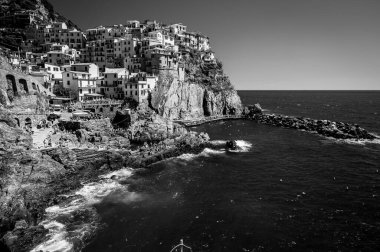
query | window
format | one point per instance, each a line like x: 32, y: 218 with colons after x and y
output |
x: 136, y: 93
x: 136, y: 86
x: 80, y: 91
x: 49, y: 68
x: 111, y: 109
x: 115, y: 75
x: 68, y: 83
x: 148, y: 86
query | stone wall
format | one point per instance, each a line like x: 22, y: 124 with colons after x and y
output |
x: 14, y: 84
x: 22, y: 120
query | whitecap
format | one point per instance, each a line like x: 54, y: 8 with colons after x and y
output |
x: 354, y: 141
x: 242, y: 146
x: 208, y: 152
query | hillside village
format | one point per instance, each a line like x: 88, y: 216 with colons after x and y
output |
x: 105, y: 62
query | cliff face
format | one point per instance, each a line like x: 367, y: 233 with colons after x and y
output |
x: 176, y: 99
x: 42, y: 8
x: 205, y: 90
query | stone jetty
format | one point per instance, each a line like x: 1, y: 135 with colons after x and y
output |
x: 338, y: 130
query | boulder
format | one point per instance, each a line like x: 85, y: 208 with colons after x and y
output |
x: 231, y: 145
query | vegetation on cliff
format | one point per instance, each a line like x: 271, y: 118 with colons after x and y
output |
x: 206, y: 73
x: 11, y: 36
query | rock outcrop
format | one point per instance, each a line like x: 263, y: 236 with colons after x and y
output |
x: 147, y: 126
x: 176, y: 99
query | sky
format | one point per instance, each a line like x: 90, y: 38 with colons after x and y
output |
x: 265, y: 44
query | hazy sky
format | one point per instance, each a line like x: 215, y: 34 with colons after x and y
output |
x: 265, y: 44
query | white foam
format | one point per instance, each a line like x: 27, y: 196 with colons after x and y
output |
x: 187, y: 156
x: 208, y: 152
x: 218, y: 142
x: 356, y: 141
x: 84, y: 198
x: 57, y: 239
x: 242, y: 146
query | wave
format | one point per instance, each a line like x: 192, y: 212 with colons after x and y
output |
x: 354, y: 141
x: 81, y: 202
x: 243, y: 146
x: 207, y: 152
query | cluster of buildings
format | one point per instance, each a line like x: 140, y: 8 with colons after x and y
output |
x: 117, y: 62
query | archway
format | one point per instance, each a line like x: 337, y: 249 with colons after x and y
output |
x: 24, y: 84
x: 17, y: 121
x: 11, y: 84
x: 28, y: 122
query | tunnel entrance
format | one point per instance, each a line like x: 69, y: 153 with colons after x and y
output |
x: 11, y: 87
x: 24, y: 84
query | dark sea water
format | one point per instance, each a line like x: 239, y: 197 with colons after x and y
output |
x: 291, y: 191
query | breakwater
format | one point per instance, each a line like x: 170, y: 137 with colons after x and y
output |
x: 338, y: 130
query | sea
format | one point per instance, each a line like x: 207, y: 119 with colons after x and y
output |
x: 283, y: 190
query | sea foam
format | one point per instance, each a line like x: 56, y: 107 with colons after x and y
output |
x: 354, y: 141
x: 59, y: 239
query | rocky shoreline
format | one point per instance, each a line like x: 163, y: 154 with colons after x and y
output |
x: 33, y: 180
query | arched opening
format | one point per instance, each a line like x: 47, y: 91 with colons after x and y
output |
x: 28, y: 122
x: 12, y: 87
x: 34, y: 86
x: 17, y: 121
x: 24, y: 85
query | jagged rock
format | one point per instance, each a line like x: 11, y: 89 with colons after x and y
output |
x: 82, y: 135
x: 21, y: 224
x: 252, y: 110
x: 231, y: 145
x: 183, y: 100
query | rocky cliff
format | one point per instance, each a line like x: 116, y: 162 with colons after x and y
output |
x: 15, y: 30
x: 205, y: 90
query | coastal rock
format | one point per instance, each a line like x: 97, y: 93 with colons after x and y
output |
x: 252, y: 110
x: 231, y: 145
x: 147, y: 126
x: 338, y: 130
x: 176, y: 99
x: 10, y: 134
